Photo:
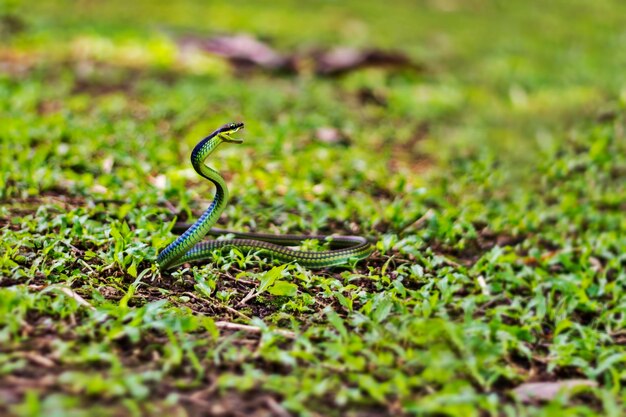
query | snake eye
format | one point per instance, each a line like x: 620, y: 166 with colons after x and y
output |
x: 231, y: 127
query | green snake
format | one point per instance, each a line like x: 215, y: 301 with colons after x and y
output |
x: 189, y: 246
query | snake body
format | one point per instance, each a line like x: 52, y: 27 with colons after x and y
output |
x: 189, y: 246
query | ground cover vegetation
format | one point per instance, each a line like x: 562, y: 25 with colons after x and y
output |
x: 491, y: 171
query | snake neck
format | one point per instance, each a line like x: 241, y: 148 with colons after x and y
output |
x: 200, y: 154
x: 201, y: 227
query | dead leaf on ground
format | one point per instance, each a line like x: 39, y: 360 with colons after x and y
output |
x: 246, y: 51
x: 342, y: 59
x: 331, y: 136
x: 546, y: 391
x: 242, y: 50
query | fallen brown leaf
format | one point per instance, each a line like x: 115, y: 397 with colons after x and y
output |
x: 245, y: 51
x: 242, y: 50
x: 342, y: 59
x: 331, y: 136
x: 546, y: 391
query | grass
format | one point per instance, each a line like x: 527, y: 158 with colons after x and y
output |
x: 494, y: 182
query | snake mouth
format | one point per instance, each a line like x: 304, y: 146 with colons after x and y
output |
x: 229, y: 129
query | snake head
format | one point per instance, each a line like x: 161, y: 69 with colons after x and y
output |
x: 228, y: 129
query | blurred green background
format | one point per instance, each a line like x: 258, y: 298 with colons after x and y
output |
x: 502, y: 71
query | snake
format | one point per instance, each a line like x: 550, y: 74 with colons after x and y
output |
x: 190, y: 246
